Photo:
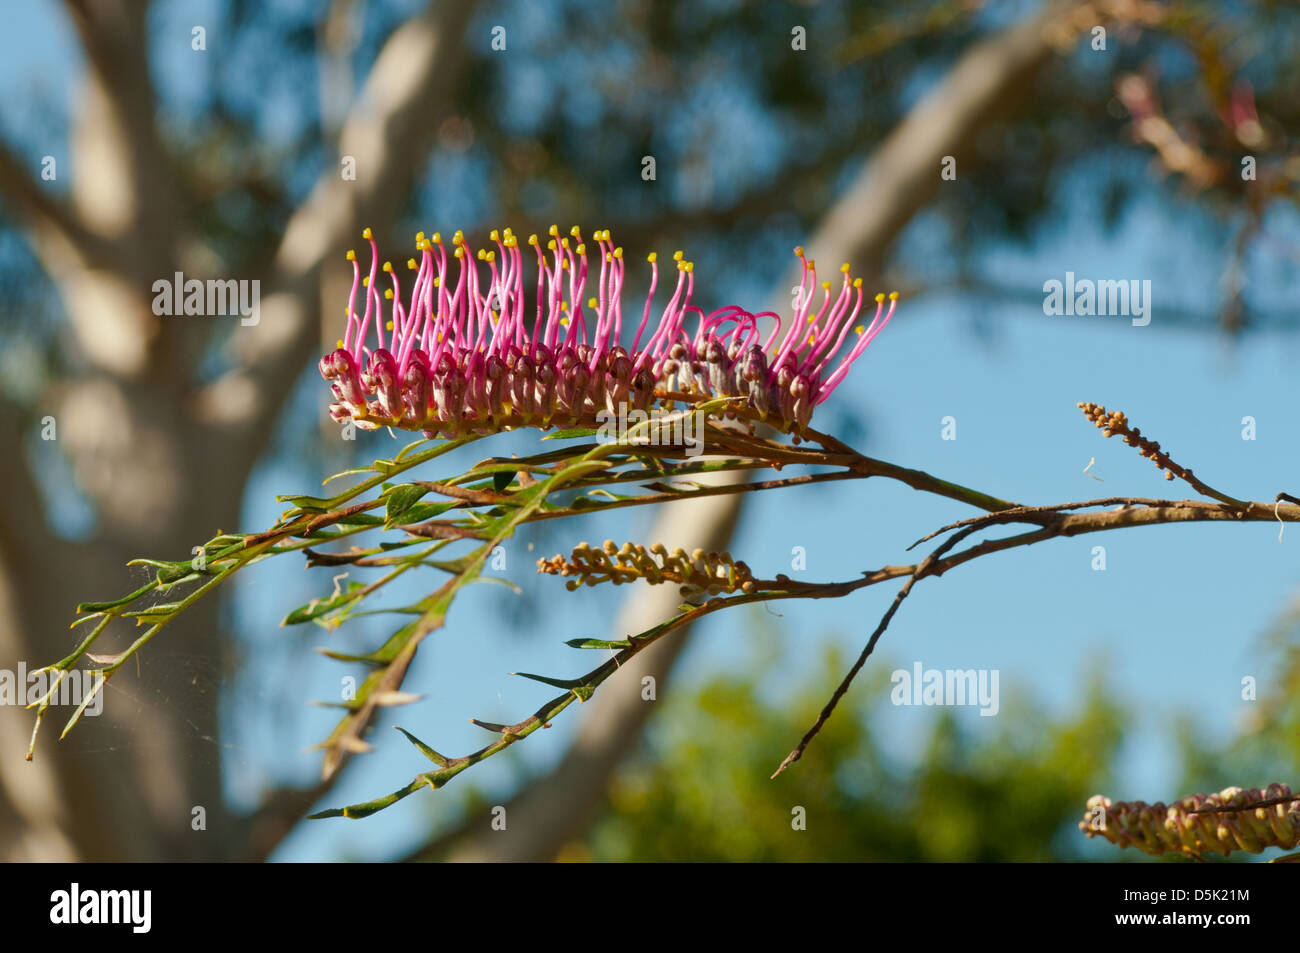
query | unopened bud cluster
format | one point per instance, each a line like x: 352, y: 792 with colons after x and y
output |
x: 1157, y: 829
x: 1115, y: 423
x: 697, y: 572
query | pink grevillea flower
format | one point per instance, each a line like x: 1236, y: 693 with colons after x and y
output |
x: 467, y: 352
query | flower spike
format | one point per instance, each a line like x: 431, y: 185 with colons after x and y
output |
x: 470, y: 355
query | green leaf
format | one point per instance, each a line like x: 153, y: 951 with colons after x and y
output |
x: 305, y: 502
x: 359, y: 519
x: 573, y: 432
x: 425, y: 750
x: 423, y: 512
x: 348, y: 472
x: 407, y: 449
x: 569, y: 683
x: 114, y: 603
x: 161, y: 610
x: 345, y: 657
x: 501, y: 480
x: 400, y: 499
x: 598, y: 644
x: 320, y: 607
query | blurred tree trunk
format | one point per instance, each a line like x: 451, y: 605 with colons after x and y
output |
x: 897, y: 181
x: 163, y: 461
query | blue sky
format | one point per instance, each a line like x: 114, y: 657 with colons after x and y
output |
x: 1173, y: 620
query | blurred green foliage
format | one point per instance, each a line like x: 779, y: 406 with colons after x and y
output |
x: 701, y: 788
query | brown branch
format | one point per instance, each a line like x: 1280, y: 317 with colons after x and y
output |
x: 1060, y: 524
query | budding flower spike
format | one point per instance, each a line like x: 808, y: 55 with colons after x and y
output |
x: 460, y: 357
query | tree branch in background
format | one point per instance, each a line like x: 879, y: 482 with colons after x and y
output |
x: 897, y: 181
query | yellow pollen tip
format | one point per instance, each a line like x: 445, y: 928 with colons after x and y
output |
x: 581, y: 249
x: 860, y: 330
x: 550, y: 246
x: 388, y: 294
x: 437, y: 282
x: 798, y: 250
x: 388, y: 325
x: 893, y: 296
x: 410, y: 263
x: 826, y: 286
x: 339, y: 343
x: 618, y: 252
x: 574, y: 231
x: 812, y: 318
x: 366, y: 233
x: 554, y: 230
x: 482, y: 255
x: 532, y: 239
x: 591, y: 302
x: 652, y: 257
x: 690, y: 266
x: 437, y: 238
x: 494, y: 235
x: 365, y: 281
x: 857, y: 283
x: 564, y: 243
x: 564, y: 306
x: 564, y: 322
x: 460, y: 252
x: 677, y: 255
x: 845, y: 267
x: 508, y: 233
x: 388, y: 266
x: 352, y: 254
x: 419, y: 237
x: 812, y: 264
x: 880, y: 297
x: 564, y: 265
